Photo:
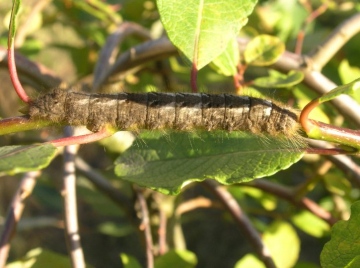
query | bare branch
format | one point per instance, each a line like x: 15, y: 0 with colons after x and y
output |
x: 109, y: 51
x: 138, y: 56
x: 339, y: 37
x: 70, y: 207
x: 248, y: 229
x: 15, y: 211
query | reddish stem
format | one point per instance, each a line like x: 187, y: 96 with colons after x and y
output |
x: 11, y: 62
x: 304, y: 116
x: 194, y: 78
x: 328, y: 151
x: 87, y: 138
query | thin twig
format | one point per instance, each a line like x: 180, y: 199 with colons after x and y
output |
x: 70, y: 207
x: 145, y: 226
x: 138, y: 56
x: 285, y: 193
x: 162, y: 232
x: 15, y: 211
x: 313, y: 15
x: 248, y: 229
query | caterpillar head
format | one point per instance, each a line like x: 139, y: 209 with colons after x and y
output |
x: 50, y: 106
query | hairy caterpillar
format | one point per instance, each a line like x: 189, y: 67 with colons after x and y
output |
x: 179, y: 111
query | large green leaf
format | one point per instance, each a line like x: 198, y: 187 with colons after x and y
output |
x: 167, y: 162
x: 343, y: 250
x: 202, y: 29
x: 21, y: 158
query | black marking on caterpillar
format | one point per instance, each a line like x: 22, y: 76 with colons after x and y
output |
x: 178, y: 111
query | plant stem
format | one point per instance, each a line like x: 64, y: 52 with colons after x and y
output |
x: 82, y: 139
x: 193, y: 79
x: 11, y: 58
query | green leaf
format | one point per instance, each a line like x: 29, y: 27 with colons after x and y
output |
x: 348, y: 89
x: 116, y: 230
x: 118, y: 142
x: 348, y: 73
x: 23, y: 158
x: 176, y: 258
x: 227, y: 62
x: 249, y: 260
x: 13, y: 21
x: 268, y: 201
x: 129, y: 261
x: 283, y: 244
x: 202, y: 29
x: 280, y: 81
x: 263, y: 50
x: 39, y: 258
x: 343, y: 250
x: 168, y: 162
x: 311, y: 224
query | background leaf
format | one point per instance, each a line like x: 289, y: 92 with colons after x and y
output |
x: 310, y: 224
x: 129, y: 261
x: 21, y: 158
x: 285, y: 253
x: 227, y: 62
x: 344, y: 246
x: 263, y: 50
x: 176, y: 258
x: 39, y: 258
x: 167, y: 162
x: 201, y: 30
x: 280, y: 81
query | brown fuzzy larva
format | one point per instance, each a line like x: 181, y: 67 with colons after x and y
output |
x: 178, y: 111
